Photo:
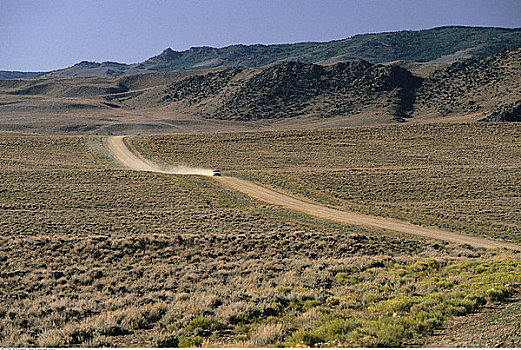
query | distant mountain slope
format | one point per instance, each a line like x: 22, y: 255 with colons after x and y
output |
x: 291, y: 94
x: 443, y: 44
x: 420, y: 46
x: 4, y: 74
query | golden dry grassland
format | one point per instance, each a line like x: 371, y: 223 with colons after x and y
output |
x: 462, y: 177
x: 95, y: 255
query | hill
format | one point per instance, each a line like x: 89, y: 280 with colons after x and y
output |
x: 294, y: 89
x: 422, y: 46
x: 286, y: 95
x: 4, y: 74
x: 477, y: 85
x: 442, y: 44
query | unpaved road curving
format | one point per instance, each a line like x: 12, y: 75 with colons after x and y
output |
x: 119, y: 149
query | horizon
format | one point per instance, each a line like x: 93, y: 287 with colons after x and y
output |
x: 271, y: 44
x: 98, y: 31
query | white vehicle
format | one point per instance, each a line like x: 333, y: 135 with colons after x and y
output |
x: 216, y: 173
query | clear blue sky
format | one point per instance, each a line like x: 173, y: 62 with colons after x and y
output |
x: 39, y: 35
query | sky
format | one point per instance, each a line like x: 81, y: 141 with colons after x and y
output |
x: 41, y: 35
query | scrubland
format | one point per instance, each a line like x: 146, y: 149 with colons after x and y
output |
x: 95, y: 255
x: 462, y: 177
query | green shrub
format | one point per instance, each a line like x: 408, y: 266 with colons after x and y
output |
x: 307, y: 338
x: 401, y: 304
x: 425, y: 305
x: 171, y: 328
x: 165, y: 341
x: 390, y: 332
x: 331, y: 330
x: 428, y: 320
x: 309, y: 304
x: 462, y: 306
x: 208, y: 324
x: 190, y: 342
x: 497, y: 293
x: 475, y: 301
x: 427, y: 265
x: 342, y: 277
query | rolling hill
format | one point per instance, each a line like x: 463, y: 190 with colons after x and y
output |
x: 442, y: 44
x: 285, y: 95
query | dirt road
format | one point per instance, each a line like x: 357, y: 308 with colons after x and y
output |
x: 119, y: 149
x: 132, y: 160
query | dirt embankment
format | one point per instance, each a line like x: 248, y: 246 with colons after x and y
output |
x: 121, y: 152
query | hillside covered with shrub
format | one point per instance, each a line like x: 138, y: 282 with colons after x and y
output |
x: 446, y: 44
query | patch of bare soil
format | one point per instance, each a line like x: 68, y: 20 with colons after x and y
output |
x: 496, y: 325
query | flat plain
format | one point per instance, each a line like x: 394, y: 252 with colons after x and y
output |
x: 87, y: 248
x: 96, y: 255
x: 462, y: 177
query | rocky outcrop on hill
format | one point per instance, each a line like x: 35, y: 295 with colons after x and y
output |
x: 194, y: 89
x: 290, y: 89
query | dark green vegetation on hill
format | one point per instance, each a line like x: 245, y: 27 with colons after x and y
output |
x: 445, y: 43
x: 93, y: 255
x: 420, y: 46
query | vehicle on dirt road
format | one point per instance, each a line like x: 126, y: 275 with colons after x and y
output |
x: 216, y: 173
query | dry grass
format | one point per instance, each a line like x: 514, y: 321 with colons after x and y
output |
x: 459, y: 177
x: 98, y: 256
x: 88, y: 248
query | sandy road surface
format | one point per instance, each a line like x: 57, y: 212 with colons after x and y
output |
x: 117, y: 146
x: 132, y: 160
